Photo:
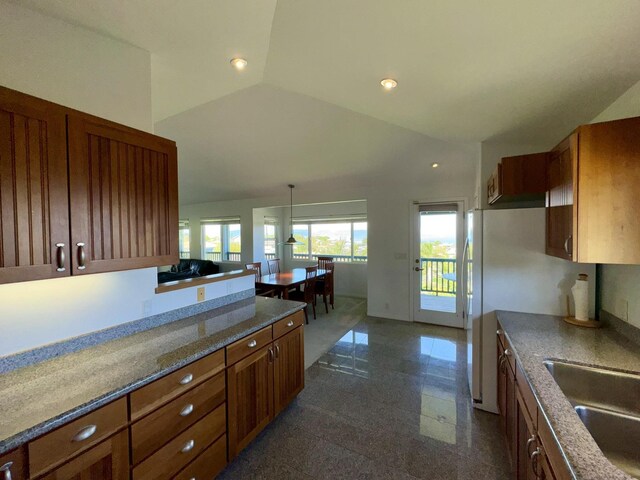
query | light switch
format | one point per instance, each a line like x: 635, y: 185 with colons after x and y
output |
x: 201, y: 294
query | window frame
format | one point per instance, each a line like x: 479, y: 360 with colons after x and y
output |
x: 224, y: 223
x: 342, y: 220
x: 183, y: 225
x: 275, y: 223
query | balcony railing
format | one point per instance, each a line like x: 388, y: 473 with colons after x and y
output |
x: 438, y: 275
x: 185, y: 254
x: 270, y: 256
x: 336, y: 258
x: 228, y: 256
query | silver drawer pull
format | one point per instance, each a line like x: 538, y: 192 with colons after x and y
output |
x: 186, y: 411
x: 188, y: 378
x: 499, y: 332
x: 85, y: 433
x: 5, y: 470
x: 252, y: 344
x: 290, y: 323
x: 188, y: 446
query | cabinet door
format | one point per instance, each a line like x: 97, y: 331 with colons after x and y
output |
x: 560, y: 238
x: 124, y: 197
x: 13, y: 465
x: 507, y: 401
x: 34, y: 205
x: 108, y: 460
x: 289, y: 368
x: 249, y: 398
x: 526, y: 441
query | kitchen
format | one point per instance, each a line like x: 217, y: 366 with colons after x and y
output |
x: 96, y: 67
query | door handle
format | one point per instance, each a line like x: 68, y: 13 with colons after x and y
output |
x: 417, y: 269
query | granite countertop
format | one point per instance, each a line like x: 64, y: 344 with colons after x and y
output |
x: 535, y: 338
x: 39, y: 398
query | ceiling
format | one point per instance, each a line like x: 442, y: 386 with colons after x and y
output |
x: 468, y: 71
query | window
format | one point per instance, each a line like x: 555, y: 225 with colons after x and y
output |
x: 270, y: 238
x: 221, y: 239
x: 183, y: 239
x: 344, y: 239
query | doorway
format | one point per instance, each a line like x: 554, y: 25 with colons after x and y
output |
x: 437, y: 276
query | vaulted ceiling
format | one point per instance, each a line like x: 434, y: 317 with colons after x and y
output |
x: 468, y: 71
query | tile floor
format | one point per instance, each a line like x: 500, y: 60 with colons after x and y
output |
x: 389, y: 401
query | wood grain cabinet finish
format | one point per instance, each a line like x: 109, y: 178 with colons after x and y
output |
x: 288, y: 324
x: 208, y: 464
x: 592, y: 198
x: 289, y: 368
x: 249, y: 398
x: 108, y: 460
x: 152, y: 432
x: 181, y: 450
x: 76, y: 436
x: 152, y: 396
x: 507, y: 398
x: 248, y: 345
x: 34, y: 205
x: 520, y: 178
x: 79, y: 194
x: 124, y: 196
x: 14, y: 465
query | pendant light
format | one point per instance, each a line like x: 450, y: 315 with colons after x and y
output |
x: 292, y: 240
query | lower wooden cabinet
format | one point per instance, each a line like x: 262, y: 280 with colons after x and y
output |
x: 289, y: 368
x: 108, y: 460
x: 14, y: 465
x: 250, y: 398
x: 530, y: 443
x: 261, y: 385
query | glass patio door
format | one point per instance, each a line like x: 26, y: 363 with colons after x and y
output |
x: 437, y: 275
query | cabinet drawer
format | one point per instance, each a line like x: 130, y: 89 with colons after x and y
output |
x: 167, y: 461
x: 248, y: 345
x: 15, y: 463
x: 76, y: 436
x: 284, y: 326
x: 151, y: 396
x: 208, y: 464
x: 156, y: 429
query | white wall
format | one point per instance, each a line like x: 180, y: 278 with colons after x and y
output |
x: 621, y: 283
x: 74, y: 66
x: 78, y: 68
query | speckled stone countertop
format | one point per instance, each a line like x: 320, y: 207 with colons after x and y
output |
x: 38, y: 398
x: 535, y: 338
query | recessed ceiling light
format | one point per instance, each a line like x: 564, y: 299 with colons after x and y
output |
x: 388, y: 83
x: 435, y: 165
x: 239, y: 63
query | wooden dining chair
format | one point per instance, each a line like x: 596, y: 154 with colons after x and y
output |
x: 324, y: 286
x: 273, y: 265
x: 256, y: 267
x: 323, y: 260
x: 308, y: 295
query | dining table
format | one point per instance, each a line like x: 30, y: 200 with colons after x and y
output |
x: 284, y: 281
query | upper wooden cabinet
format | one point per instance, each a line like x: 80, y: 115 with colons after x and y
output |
x: 34, y: 202
x: 79, y: 194
x: 124, y: 196
x: 592, y: 194
x: 518, y: 179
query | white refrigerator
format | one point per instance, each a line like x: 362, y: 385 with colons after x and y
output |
x: 506, y: 269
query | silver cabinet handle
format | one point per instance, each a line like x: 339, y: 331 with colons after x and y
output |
x: 60, y: 259
x: 186, y: 411
x: 252, y: 344
x: 6, y: 470
x: 81, y: 256
x: 271, y: 355
x: 529, y: 442
x: 188, y: 378
x: 188, y: 446
x: 566, y: 245
x: 534, y: 461
x: 290, y: 323
x: 85, y: 433
x: 277, y: 351
x: 499, y: 332
x: 507, y: 352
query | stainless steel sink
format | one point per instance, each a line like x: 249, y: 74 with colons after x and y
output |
x: 608, y: 403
